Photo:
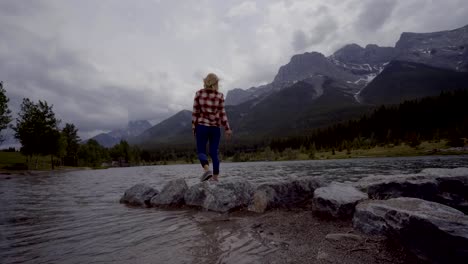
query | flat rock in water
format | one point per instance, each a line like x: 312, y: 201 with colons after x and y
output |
x: 284, y: 194
x: 431, y: 230
x: 336, y: 200
x: 172, y: 194
x: 219, y: 197
x: 343, y: 237
x: 139, y: 195
x: 446, y: 186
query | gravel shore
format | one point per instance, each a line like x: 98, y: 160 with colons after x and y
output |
x: 296, y: 236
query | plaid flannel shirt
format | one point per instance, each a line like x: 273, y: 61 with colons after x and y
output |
x: 208, y: 109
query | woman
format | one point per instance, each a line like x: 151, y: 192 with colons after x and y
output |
x: 207, y: 118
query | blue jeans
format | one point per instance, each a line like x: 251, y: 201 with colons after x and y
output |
x: 211, y: 134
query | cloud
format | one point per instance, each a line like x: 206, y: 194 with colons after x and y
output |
x: 374, y: 14
x: 103, y: 64
x: 243, y: 9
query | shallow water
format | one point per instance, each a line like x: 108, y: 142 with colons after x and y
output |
x: 75, y: 217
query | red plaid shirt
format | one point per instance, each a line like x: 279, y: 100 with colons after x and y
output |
x: 208, y: 109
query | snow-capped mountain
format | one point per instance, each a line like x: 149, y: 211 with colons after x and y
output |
x: 358, y: 66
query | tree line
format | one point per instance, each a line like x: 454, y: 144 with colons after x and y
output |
x: 411, y: 122
x: 39, y: 133
x: 431, y: 118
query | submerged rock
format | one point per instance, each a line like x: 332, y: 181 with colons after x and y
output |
x: 344, y: 237
x: 219, y: 197
x: 431, y: 230
x: 284, y: 194
x: 172, y: 194
x: 139, y: 195
x: 446, y: 186
x: 336, y: 200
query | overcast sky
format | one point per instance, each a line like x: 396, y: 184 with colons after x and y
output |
x: 103, y: 63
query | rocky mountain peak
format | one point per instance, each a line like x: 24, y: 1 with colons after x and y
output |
x: 306, y: 65
x: 444, y: 49
x: 371, y: 54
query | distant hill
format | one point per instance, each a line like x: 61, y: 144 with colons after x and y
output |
x: 133, y: 129
x: 176, y: 129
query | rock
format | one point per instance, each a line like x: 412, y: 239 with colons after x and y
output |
x: 385, y: 187
x: 171, y: 194
x: 431, y: 230
x: 343, y: 237
x: 139, y: 195
x: 323, y: 256
x: 336, y: 200
x: 219, y: 197
x: 446, y: 186
x: 284, y: 194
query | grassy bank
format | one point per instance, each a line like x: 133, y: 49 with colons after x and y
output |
x: 15, y: 161
x: 402, y: 150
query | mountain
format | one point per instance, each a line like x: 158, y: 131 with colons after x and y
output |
x: 365, y: 63
x: 313, y: 90
x: 300, y: 67
x: 359, y: 66
x: 371, y: 54
x: 294, y: 108
x: 352, y: 64
x: 402, y: 80
x: 176, y: 129
x: 444, y: 49
x: 133, y: 129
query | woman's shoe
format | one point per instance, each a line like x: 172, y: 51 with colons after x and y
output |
x: 206, y: 176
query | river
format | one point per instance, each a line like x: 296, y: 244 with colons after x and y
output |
x: 75, y: 217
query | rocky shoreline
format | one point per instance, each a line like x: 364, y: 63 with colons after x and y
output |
x: 425, y: 213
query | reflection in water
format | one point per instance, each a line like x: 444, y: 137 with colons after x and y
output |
x: 75, y: 217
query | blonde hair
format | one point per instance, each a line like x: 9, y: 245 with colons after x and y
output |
x: 211, y: 82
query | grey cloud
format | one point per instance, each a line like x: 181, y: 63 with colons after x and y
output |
x: 318, y: 34
x: 375, y: 14
x: 42, y: 69
x: 300, y: 40
x: 19, y: 8
x: 160, y: 50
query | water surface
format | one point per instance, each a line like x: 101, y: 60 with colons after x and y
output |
x: 75, y: 217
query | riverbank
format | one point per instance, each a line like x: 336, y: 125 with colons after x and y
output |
x: 434, y: 199
x: 426, y: 148
x: 15, y: 162
x: 296, y: 236
x: 8, y: 173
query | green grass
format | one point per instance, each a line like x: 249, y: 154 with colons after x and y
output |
x: 13, y: 161
x: 402, y: 150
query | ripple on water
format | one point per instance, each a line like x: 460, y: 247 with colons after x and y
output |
x: 75, y: 217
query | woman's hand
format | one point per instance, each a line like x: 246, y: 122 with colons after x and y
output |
x: 228, y: 134
x: 194, y: 131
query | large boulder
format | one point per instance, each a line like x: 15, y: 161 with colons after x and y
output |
x: 431, y: 230
x: 452, y: 187
x: 284, y: 194
x: 446, y: 186
x: 172, y: 194
x: 337, y: 200
x: 139, y: 195
x: 219, y: 197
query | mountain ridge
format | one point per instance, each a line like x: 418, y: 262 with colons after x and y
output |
x: 313, y: 91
